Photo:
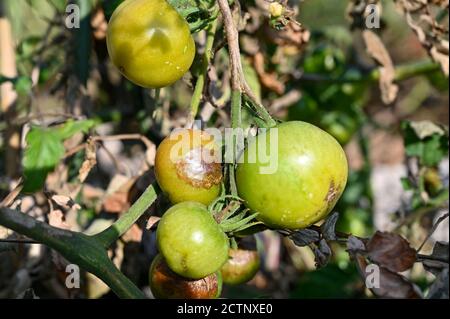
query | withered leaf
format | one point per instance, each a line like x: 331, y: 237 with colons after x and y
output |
x: 384, y: 283
x: 440, y: 58
x: 322, y: 254
x: 134, y: 234
x: 393, y: 285
x: 269, y: 80
x: 305, y: 237
x: 89, y: 162
x: 355, y: 245
x: 329, y: 227
x: 391, y: 251
x: 152, y: 222
x: 424, y: 129
x: 65, y: 202
x: 377, y: 50
x: 56, y: 219
x: 117, y: 202
x: 293, y: 34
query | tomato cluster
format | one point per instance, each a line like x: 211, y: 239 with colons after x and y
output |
x: 310, y: 176
x: 152, y: 46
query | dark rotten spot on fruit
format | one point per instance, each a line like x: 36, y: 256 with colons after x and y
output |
x: 199, y: 168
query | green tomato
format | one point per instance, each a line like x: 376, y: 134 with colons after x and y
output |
x: 165, y: 284
x: 191, y: 241
x: 241, y: 267
x: 150, y: 43
x: 187, y: 167
x: 310, y: 176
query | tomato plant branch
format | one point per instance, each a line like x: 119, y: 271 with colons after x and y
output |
x: 107, y: 237
x: 77, y: 248
x: 206, y: 58
x: 238, y: 83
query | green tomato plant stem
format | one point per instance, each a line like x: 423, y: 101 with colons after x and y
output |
x: 88, y: 252
x: 206, y: 58
x: 77, y: 248
x: 107, y: 237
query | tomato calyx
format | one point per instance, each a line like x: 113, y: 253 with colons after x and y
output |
x: 231, y: 216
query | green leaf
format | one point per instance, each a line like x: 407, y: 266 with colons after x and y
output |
x: 23, y: 85
x: 60, y: 5
x: 72, y: 127
x: 195, y: 12
x: 426, y: 141
x: 406, y: 184
x: 44, y: 150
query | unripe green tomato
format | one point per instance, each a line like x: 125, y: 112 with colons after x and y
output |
x: 241, y: 267
x: 165, y: 284
x: 188, y: 168
x: 191, y: 242
x: 150, y: 43
x: 309, y: 176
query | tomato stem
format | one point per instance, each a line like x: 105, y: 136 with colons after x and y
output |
x: 107, y: 237
x: 82, y: 250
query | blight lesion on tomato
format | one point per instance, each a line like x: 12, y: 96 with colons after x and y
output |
x: 188, y: 167
x: 196, y: 168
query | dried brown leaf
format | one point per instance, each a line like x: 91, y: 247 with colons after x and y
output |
x: 116, y: 203
x: 391, y: 251
x: 56, y: 219
x: 152, y: 221
x: 393, y: 285
x: 322, y: 254
x: 134, y: 234
x: 65, y: 202
x: 89, y: 162
x: 293, y: 34
x: 118, y: 198
x: 355, y: 245
x: 269, y: 80
x: 390, y: 284
x: 377, y: 50
x: 305, y: 237
x: 440, y: 58
x: 329, y: 227
x: 150, y: 154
